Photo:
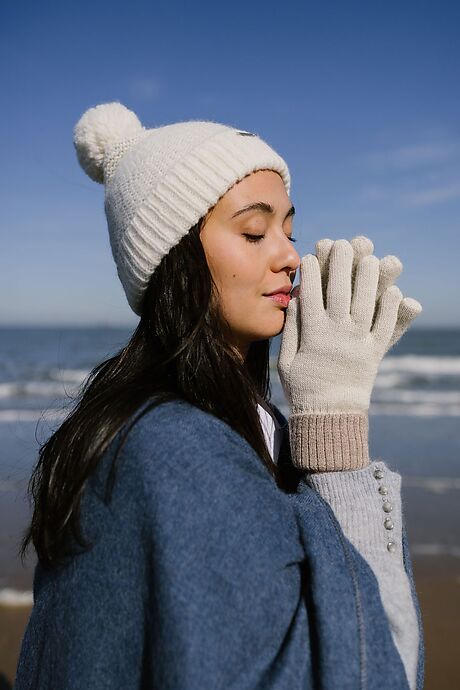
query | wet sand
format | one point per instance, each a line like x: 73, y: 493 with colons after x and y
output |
x: 438, y: 586
x: 437, y: 581
x: 13, y: 621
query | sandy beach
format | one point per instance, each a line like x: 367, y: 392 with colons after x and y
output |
x: 438, y: 586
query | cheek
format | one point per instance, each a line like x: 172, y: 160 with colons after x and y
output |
x: 238, y: 277
x: 225, y: 263
x: 237, y: 270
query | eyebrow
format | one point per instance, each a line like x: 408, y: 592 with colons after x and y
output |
x: 264, y: 207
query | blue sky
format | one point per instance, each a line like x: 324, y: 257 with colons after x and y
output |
x: 360, y: 98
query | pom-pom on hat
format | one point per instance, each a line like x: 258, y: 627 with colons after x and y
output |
x: 159, y: 182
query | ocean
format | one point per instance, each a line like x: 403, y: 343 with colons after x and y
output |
x: 414, y: 426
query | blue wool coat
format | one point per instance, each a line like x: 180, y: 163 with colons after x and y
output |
x: 205, y: 575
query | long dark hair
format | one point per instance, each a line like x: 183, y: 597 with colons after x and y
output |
x: 177, y: 351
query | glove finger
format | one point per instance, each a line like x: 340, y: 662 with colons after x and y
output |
x: 290, y: 338
x: 387, y: 314
x: 339, y: 283
x: 362, y: 246
x: 390, y: 268
x: 310, y: 294
x: 323, y: 249
x: 409, y: 309
x: 364, y: 292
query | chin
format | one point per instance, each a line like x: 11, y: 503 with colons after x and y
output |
x: 267, y: 327
x: 272, y: 331
x: 278, y: 324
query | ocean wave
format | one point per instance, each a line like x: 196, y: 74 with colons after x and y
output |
x: 9, y: 416
x: 69, y: 375
x: 15, y: 597
x: 55, y: 382
x: 41, y: 389
x: 422, y: 364
x: 415, y: 402
x: 435, y: 550
x: 437, y: 485
x: 402, y: 395
x: 392, y: 379
x: 417, y: 410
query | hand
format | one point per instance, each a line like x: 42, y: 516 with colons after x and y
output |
x: 330, y: 354
x: 389, y: 269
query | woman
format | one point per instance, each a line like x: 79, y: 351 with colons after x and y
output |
x: 188, y: 535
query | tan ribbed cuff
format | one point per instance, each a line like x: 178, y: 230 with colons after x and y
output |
x: 328, y: 442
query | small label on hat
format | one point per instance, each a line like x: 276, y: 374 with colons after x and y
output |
x: 246, y: 134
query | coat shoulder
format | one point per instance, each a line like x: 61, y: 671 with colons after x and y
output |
x: 179, y: 435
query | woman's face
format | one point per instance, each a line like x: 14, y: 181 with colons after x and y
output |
x: 249, y: 254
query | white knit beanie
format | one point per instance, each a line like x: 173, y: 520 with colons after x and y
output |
x: 159, y: 182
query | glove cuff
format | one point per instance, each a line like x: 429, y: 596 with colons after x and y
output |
x: 329, y: 442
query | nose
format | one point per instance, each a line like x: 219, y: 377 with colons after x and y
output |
x: 293, y: 261
x: 284, y: 257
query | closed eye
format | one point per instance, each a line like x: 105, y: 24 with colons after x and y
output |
x: 257, y: 238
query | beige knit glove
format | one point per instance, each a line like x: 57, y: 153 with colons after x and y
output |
x: 390, y: 267
x: 330, y: 355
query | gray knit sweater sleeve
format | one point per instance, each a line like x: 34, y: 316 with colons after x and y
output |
x: 367, y: 504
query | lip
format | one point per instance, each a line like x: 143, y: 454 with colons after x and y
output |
x: 281, y: 298
x: 282, y: 290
